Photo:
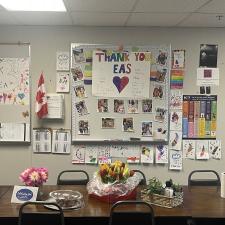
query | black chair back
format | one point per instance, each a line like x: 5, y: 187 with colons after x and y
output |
x: 38, y: 216
x: 83, y: 181
x: 125, y: 212
x: 143, y: 181
x: 204, y: 182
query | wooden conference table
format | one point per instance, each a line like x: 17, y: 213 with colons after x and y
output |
x: 199, y: 202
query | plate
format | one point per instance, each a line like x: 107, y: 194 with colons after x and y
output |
x: 53, y: 207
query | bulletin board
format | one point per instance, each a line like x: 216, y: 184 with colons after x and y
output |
x: 120, y: 93
x: 15, y: 93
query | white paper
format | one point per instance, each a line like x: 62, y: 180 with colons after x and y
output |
x: 215, y: 149
x: 222, y: 178
x: 78, y: 154
x: 118, y: 151
x: 175, y: 160
x: 63, y: 61
x: 42, y: 140
x: 14, y: 81
x: 176, y: 99
x: 208, y: 77
x: 147, y: 154
x: 23, y: 194
x: 176, y: 120
x: 104, y: 154
x: 178, y: 59
x: 161, y: 154
x: 91, y: 154
x: 129, y: 78
x: 55, y: 106
x: 62, y: 82
x: 189, y: 149
x: 133, y: 154
x: 202, y: 149
x: 61, y: 141
x: 175, y: 140
x: 12, y: 132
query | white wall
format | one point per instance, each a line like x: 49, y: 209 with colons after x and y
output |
x: 45, y: 41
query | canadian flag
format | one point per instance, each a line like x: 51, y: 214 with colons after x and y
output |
x: 41, y: 100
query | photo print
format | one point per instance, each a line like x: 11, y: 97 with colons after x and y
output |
x: 208, y: 55
x: 146, y: 129
x: 215, y: 149
x: 103, y: 105
x: 178, y: 59
x: 79, y: 91
x: 77, y: 74
x: 176, y: 120
x: 160, y: 133
x: 147, y: 105
x: 81, y: 108
x: 162, y: 58
x: 189, y: 149
x: 175, y: 140
x: 132, y: 106
x: 78, y: 55
x: 147, y: 154
x: 158, y: 91
x: 119, y: 106
x: 108, y: 123
x: 128, y: 124
x: 83, y: 127
x: 202, y: 150
x: 161, y: 74
x: 160, y: 114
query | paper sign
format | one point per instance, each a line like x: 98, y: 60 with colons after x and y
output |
x: 23, y: 194
x: 208, y: 77
x: 63, y: 61
x: 121, y: 74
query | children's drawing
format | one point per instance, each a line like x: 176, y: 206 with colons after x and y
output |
x: 78, y: 154
x: 189, y: 149
x: 202, y: 149
x: 215, y: 149
x: 147, y: 154
x: 161, y: 154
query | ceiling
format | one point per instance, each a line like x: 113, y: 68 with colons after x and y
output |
x: 125, y: 13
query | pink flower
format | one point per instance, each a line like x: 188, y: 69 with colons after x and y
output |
x: 34, y: 176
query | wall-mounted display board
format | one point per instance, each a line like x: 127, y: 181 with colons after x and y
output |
x: 120, y: 95
x: 199, y: 116
x: 14, y: 92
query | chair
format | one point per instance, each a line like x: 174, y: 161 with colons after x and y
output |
x: 82, y: 181
x: 143, y: 181
x: 204, y: 182
x: 38, y: 216
x: 128, y: 214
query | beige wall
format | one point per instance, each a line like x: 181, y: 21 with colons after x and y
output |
x: 45, y: 41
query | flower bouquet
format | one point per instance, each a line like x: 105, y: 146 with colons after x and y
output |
x: 34, y: 176
x: 114, y: 182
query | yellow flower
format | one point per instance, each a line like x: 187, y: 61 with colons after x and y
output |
x: 34, y: 176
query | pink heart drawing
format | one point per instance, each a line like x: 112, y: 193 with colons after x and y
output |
x: 120, y: 83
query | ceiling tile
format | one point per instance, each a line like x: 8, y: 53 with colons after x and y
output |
x: 99, y: 19
x: 42, y: 18
x: 155, y: 19
x: 168, y: 5
x: 216, y: 6
x: 203, y: 20
x: 100, y: 5
x: 7, y: 19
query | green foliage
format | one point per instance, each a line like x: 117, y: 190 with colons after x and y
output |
x: 154, y: 186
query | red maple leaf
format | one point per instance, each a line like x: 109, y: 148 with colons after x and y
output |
x: 39, y: 97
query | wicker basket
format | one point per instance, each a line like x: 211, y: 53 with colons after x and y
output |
x: 163, y: 201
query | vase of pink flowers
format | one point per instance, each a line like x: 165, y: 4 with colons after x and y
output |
x: 34, y: 177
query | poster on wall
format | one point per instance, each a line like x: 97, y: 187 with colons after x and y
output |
x: 14, y: 81
x: 208, y: 55
x: 199, y: 116
x: 121, y: 74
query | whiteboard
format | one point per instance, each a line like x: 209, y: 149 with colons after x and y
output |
x: 123, y: 119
